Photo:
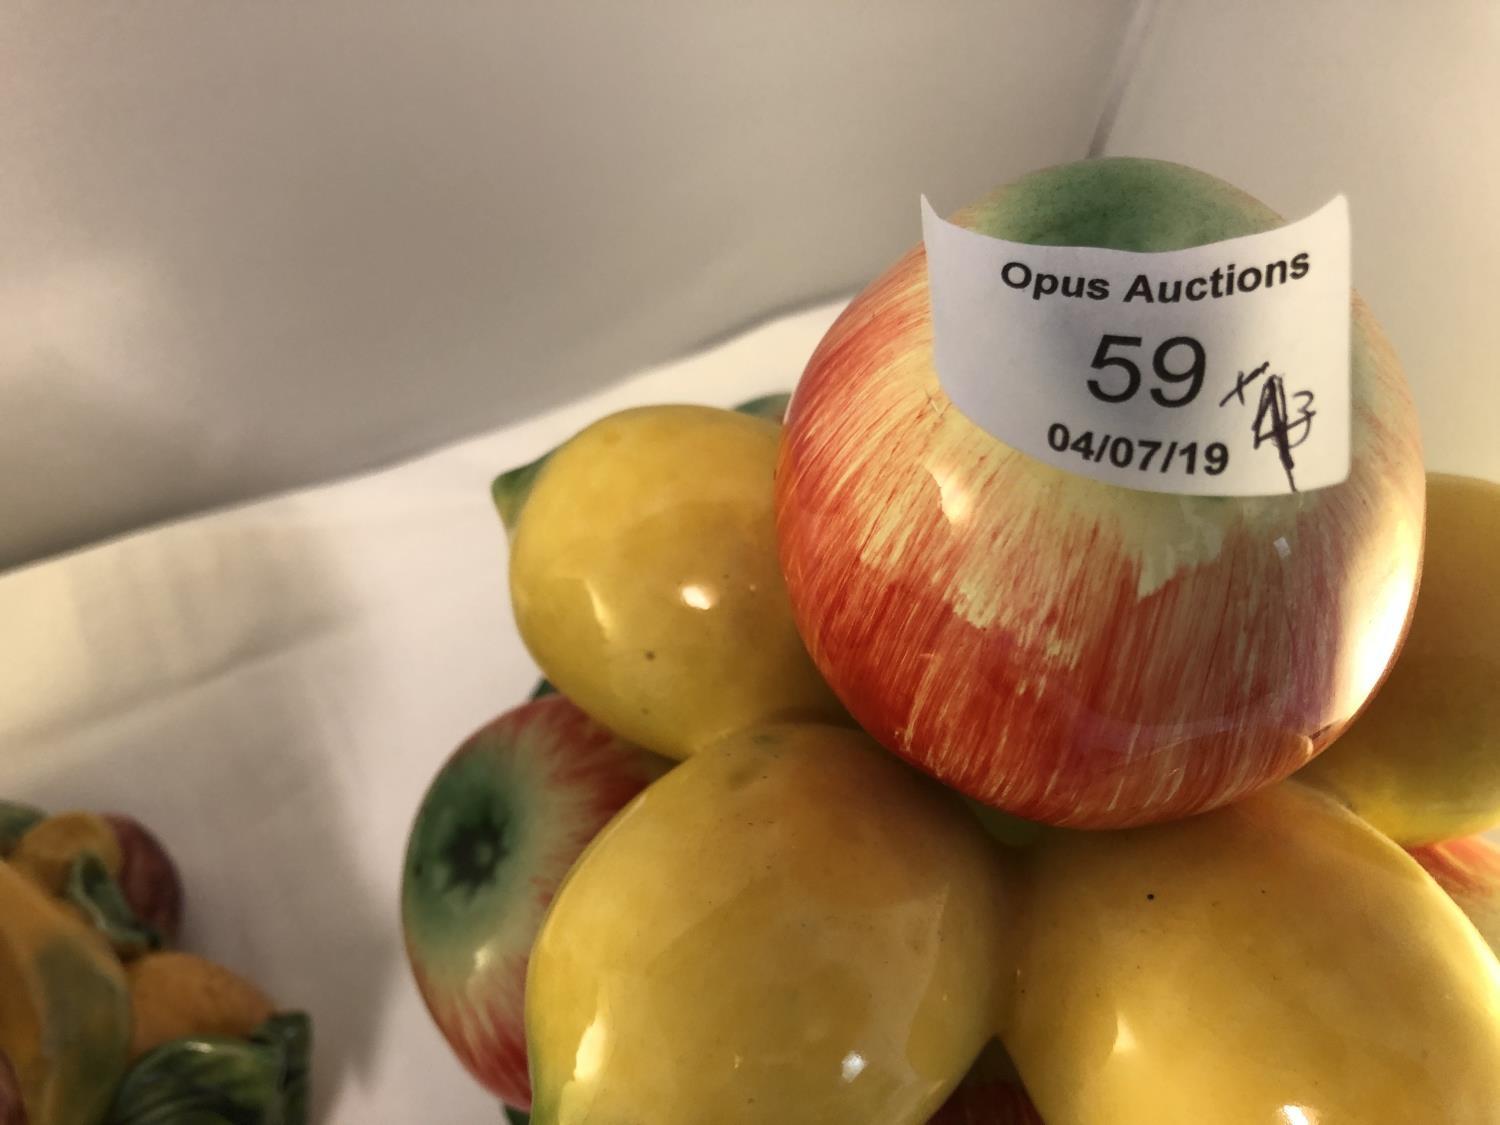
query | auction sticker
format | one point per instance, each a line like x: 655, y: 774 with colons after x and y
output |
x: 1219, y: 370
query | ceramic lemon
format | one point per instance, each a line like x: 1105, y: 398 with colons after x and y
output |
x: 644, y: 579
x: 1274, y: 961
x: 791, y: 926
x: 1422, y: 764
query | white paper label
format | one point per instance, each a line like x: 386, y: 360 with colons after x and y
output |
x: 1221, y: 370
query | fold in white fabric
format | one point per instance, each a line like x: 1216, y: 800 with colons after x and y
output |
x: 271, y: 688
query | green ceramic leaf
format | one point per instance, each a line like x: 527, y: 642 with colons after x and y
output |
x: 510, y: 489
x: 214, y: 1080
x: 87, y: 1025
x: 93, y: 890
x: 767, y: 406
x: 207, y: 1080
x: 15, y: 820
x: 517, y: 1116
x: 291, y: 1033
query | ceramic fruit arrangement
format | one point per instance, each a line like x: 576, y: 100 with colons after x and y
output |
x: 988, y: 648
x: 102, y: 1022
x: 882, y: 774
x: 501, y: 825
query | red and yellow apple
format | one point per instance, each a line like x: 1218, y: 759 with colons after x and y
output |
x: 498, y: 829
x: 1277, y: 961
x: 1469, y: 870
x: 1063, y: 649
x: 1423, y: 762
x: 792, y: 925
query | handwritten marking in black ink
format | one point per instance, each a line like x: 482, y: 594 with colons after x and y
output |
x: 1241, y: 382
x: 1272, y: 423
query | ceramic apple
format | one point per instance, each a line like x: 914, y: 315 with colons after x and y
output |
x: 1469, y: 870
x: 644, y: 579
x: 792, y: 925
x: 148, y: 877
x: 1423, y: 762
x: 990, y: 1094
x: 1277, y: 961
x: 1063, y: 649
x: 501, y: 824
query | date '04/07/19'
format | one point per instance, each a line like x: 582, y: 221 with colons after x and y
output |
x: 1272, y: 422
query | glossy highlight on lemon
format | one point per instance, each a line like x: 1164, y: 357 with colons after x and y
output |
x: 1275, y: 953
x: 790, y: 926
x: 1422, y: 763
x: 644, y: 579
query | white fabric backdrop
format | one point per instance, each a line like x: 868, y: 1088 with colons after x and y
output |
x: 1390, y: 102
x: 239, y: 257
x: 253, y: 246
x: 271, y: 689
x: 249, y: 247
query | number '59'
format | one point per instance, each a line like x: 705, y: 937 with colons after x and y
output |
x: 1112, y: 353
